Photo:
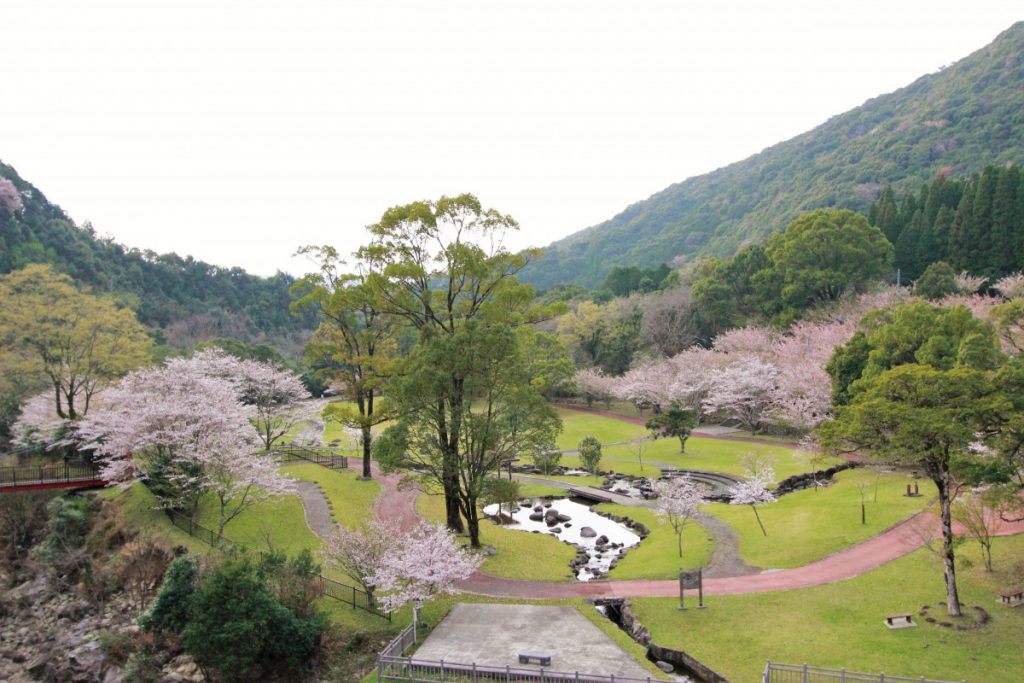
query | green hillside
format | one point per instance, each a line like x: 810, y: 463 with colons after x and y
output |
x: 182, y: 300
x: 954, y: 122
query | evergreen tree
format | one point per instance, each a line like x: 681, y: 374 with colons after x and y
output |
x: 885, y: 215
x: 1004, y: 205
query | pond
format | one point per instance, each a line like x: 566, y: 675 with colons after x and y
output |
x: 602, y: 540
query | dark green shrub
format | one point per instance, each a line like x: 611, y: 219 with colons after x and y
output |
x: 170, y: 610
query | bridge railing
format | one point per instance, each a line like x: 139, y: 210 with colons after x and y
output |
x: 775, y: 672
x: 63, y: 472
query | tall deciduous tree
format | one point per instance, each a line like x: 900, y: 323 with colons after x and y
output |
x: 499, y: 410
x: 354, y: 347
x: 827, y: 252
x: 75, y: 341
x: 444, y: 268
x: 924, y: 417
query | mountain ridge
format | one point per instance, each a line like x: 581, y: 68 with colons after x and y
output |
x: 953, y: 121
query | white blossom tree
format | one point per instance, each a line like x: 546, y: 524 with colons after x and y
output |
x: 679, y: 500
x: 39, y: 424
x: 1011, y: 286
x: 273, y: 392
x: 595, y: 385
x: 188, y: 430
x: 743, y: 391
x: 360, y: 553
x: 754, y: 489
x: 426, y: 563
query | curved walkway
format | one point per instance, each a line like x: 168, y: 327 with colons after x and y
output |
x: 902, y: 539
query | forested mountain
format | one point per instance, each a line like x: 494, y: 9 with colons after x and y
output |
x: 975, y: 224
x: 182, y: 300
x: 953, y: 122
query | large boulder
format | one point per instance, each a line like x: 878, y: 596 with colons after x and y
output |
x: 587, y: 532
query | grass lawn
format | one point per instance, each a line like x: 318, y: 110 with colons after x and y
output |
x: 841, y: 624
x: 583, y: 480
x: 657, y: 556
x: 539, y: 490
x: 521, y: 555
x: 625, y: 467
x: 274, y: 523
x: 809, y: 524
x: 717, y: 455
x: 351, y: 499
x: 576, y: 425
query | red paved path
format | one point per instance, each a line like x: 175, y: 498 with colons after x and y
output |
x: 900, y: 540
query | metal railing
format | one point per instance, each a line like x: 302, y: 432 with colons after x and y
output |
x: 391, y: 668
x: 775, y: 672
x: 350, y: 595
x: 400, y: 643
x: 60, y: 473
x: 320, y: 456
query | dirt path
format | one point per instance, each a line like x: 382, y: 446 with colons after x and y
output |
x: 314, y: 504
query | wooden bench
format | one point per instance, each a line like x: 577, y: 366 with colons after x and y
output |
x: 902, y: 620
x: 527, y: 657
x: 1013, y: 597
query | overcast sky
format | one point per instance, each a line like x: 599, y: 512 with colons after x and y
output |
x: 238, y: 131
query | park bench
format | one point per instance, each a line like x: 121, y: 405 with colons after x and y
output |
x: 901, y: 620
x: 1013, y: 597
x: 527, y: 657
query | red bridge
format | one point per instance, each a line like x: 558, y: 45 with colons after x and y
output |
x: 57, y: 476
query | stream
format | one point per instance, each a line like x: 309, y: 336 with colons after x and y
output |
x: 610, y: 540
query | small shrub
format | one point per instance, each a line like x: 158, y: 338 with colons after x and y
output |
x: 66, y: 529
x: 590, y: 453
x: 170, y: 611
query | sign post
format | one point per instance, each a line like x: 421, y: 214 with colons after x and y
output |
x: 691, y: 580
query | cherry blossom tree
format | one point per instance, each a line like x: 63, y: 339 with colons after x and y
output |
x: 39, y: 424
x: 595, y: 385
x: 426, y: 563
x: 360, y: 553
x: 188, y: 429
x: 273, y: 392
x: 678, y: 501
x: 10, y: 198
x: 1011, y: 286
x: 743, y: 391
x: 969, y: 284
x: 754, y: 490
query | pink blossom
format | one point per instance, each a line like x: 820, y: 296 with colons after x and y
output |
x: 10, y: 198
x: 427, y: 563
x: 360, y: 553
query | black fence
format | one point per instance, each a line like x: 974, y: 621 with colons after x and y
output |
x: 350, y: 595
x: 320, y: 456
x: 57, y: 473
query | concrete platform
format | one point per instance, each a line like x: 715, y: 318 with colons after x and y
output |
x: 496, y: 634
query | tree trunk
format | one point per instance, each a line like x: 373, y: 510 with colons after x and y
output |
x: 759, y: 523
x: 948, y: 558
x: 473, y: 523
x: 679, y: 542
x: 367, y: 450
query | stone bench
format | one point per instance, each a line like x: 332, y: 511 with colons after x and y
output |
x: 901, y: 620
x: 527, y: 657
x: 1013, y: 597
